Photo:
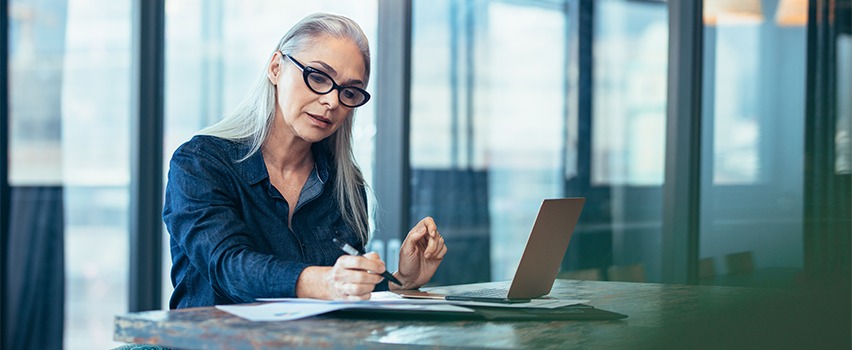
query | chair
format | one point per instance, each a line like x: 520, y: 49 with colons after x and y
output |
x: 627, y: 273
x: 706, y: 268
x: 739, y: 263
x: 585, y: 275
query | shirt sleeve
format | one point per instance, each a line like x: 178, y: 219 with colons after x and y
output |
x: 201, y: 213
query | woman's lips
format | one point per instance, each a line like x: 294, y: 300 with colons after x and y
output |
x: 320, y: 119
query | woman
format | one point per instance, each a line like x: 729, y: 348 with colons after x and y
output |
x: 254, y: 202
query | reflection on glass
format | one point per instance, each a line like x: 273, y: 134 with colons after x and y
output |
x: 752, y: 170
x: 843, y: 137
x: 620, y: 232
x: 494, y: 130
x: 487, y: 127
x: 216, y: 49
x: 629, y: 113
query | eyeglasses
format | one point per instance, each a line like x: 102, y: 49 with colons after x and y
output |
x: 321, y: 83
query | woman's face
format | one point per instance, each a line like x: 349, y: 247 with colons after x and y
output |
x: 302, y: 113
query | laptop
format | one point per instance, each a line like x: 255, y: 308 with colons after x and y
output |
x: 540, y: 261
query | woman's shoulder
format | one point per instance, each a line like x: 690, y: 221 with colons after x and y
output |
x: 212, y: 146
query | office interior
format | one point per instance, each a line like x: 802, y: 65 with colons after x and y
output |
x: 712, y: 141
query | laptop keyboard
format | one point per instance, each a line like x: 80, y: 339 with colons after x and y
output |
x: 485, y: 293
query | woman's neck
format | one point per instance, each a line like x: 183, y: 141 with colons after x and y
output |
x: 286, y: 153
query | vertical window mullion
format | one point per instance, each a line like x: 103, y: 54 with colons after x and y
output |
x: 4, y: 160
x: 147, y: 156
x: 681, y: 188
x: 393, y: 87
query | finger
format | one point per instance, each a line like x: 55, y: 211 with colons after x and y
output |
x: 344, y: 287
x: 356, y: 288
x: 431, y: 247
x: 372, y: 263
x: 417, y: 232
x: 429, y: 223
x: 343, y: 277
x: 373, y: 256
x: 357, y: 297
x: 348, y: 293
x: 439, y: 244
x: 441, y: 253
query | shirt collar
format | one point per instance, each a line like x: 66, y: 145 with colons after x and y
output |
x: 253, y: 169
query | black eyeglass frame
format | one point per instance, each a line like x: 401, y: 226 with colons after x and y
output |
x: 308, y: 70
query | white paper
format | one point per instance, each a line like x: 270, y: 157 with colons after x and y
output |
x: 278, y: 311
x: 287, y: 309
x: 393, y: 298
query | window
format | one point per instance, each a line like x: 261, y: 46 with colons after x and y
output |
x: 69, y: 165
x: 753, y: 104
x: 498, y: 123
x: 487, y: 113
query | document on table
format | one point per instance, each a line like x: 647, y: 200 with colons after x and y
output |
x: 294, y: 309
x: 546, y: 303
x: 287, y: 309
x: 387, y: 298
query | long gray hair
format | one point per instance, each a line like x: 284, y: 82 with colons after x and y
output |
x: 253, y: 117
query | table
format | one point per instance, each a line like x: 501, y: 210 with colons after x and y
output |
x: 660, y: 316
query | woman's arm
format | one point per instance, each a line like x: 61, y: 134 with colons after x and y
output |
x: 202, y: 215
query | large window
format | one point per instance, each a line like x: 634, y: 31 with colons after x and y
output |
x: 517, y: 101
x: 621, y: 107
x: 753, y: 104
x: 630, y: 50
x: 487, y: 126
x: 69, y: 165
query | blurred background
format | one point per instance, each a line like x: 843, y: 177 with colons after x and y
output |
x: 510, y: 102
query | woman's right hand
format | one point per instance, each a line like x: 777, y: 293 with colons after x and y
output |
x: 351, y: 278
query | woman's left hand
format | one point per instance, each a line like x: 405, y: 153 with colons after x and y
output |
x: 420, y: 254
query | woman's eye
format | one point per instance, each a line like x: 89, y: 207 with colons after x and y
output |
x: 318, y: 78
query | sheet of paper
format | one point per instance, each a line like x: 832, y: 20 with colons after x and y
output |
x: 375, y: 298
x: 393, y: 298
x: 288, y: 309
x: 279, y: 311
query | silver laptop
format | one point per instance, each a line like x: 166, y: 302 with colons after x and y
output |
x: 540, y: 262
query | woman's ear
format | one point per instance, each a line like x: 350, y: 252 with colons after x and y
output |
x: 273, y: 69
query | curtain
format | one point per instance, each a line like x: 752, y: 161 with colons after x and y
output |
x: 35, y: 269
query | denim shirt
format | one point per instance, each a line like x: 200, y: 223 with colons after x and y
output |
x: 230, y: 242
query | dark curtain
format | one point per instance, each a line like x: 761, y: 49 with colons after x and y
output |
x: 828, y: 189
x: 35, y: 269
x: 33, y: 303
x: 458, y: 201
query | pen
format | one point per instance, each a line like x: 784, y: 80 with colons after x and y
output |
x: 352, y: 251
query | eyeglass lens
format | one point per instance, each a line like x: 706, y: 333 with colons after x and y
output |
x: 323, y: 84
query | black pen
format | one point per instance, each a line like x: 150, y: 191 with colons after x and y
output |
x: 352, y: 251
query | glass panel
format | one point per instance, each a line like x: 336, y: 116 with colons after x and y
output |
x: 752, y: 169
x: 843, y: 138
x: 497, y: 127
x: 487, y: 127
x: 622, y: 223
x: 629, y: 107
x: 216, y: 49
x: 69, y: 92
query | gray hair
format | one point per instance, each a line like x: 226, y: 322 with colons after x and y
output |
x: 253, y: 117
